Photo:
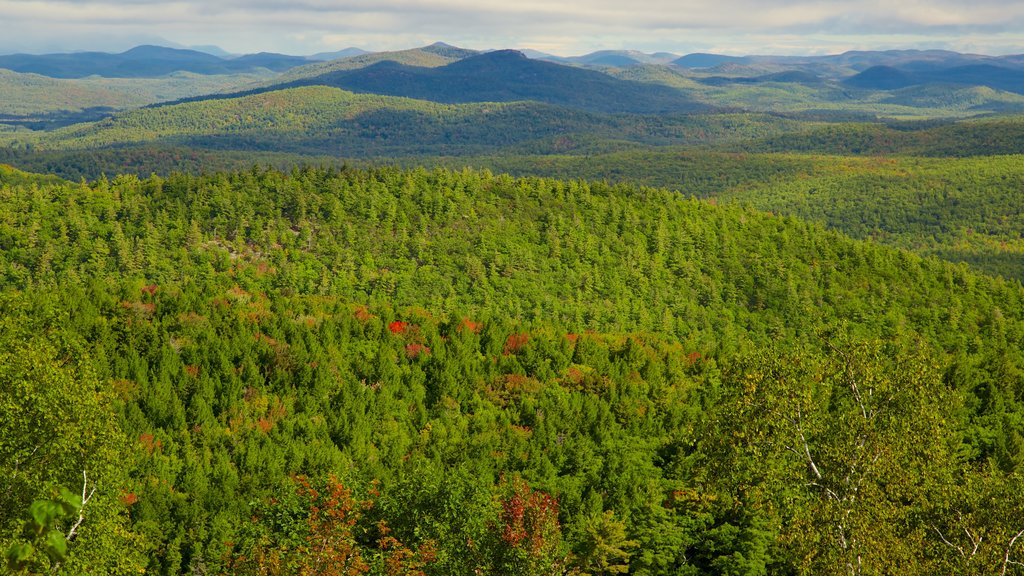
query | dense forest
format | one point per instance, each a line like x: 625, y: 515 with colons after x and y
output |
x: 959, y: 209
x: 641, y: 314
x: 409, y: 371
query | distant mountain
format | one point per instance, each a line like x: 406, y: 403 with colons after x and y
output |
x: 619, y: 58
x: 989, y: 75
x: 211, y: 49
x: 851, y: 62
x: 268, y: 60
x: 612, y: 58
x: 142, y: 62
x: 538, y: 55
x: 701, y: 60
x: 449, y: 51
x: 506, y: 76
x: 434, y: 55
x: 346, y: 53
x: 881, y: 78
x: 788, y: 76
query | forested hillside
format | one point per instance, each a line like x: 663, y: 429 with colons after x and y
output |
x: 978, y: 137
x: 959, y: 209
x: 323, y: 120
x: 449, y: 372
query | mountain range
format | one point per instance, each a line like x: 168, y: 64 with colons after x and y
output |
x: 505, y: 76
x: 49, y: 91
x: 145, y: 62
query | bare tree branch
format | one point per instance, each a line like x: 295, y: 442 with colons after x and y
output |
x: 1009, y: 548
x: 807, y: 449
x: 948, y: 543
x: 81, y: 511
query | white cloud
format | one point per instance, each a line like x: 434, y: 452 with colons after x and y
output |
x: 573, y: 26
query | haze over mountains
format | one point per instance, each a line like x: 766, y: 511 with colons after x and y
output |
x: 916, y: 66
x: 49, y: 91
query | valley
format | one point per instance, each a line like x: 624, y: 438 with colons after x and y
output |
x: 448, y: 311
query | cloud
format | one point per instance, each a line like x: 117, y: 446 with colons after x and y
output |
x: 561, y: 26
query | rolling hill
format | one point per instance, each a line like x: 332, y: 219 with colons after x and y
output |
x: 988, y: 75
x: 144, y: 62
x: 506, y: 76
x: 24, y: 97
x: 322, y: 120
x: 434, y: 55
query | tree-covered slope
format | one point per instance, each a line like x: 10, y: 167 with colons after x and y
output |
x: 977, y: 137
x: 323, y: 120
x: 959, y: 209
x: 505, y: 76
x: 379, y: 371
x: 27, y: 97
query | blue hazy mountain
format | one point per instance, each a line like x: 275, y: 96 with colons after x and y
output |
x: 143, y: 62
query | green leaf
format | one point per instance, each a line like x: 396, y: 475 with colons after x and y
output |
x: 56, y: 546
x: 18, y: 555
x: 43, y: 512
x: 70, y: 502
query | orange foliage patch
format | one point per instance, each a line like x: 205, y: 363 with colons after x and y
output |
x: 468, y: 324
x: 415, y: 350
x: 125, y: 389
x: 192, y: 370
x: 264, y: 425
x: 514, y: 343
x: 129, y: 498
x: 398, y: 327
x: 237, y: 293
x: 150, y: 443
x: 362, y: 314
x: 529, y: 519
x: 141, y: 308
x: 190, y: 318
x: 575, y: 375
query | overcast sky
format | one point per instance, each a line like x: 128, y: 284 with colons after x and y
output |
x: 564, y: 27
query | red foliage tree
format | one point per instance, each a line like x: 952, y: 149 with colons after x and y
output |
x: 530, y: 537
x: 515, y: 342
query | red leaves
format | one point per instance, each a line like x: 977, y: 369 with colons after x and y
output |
x: 399, y: 560
x: 468, y: 324
x: 515, y: 342
x: 529, y: 520
x: 328, y: 546
x: 415, y: 350
x: 331, y: 545
x: 410, y: 333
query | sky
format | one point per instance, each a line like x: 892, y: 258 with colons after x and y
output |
x: 562, y: 27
